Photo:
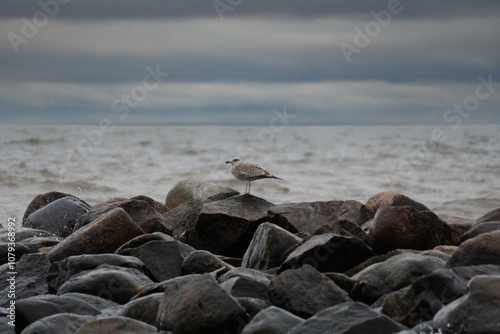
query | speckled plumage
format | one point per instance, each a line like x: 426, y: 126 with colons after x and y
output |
x: 248, y: 172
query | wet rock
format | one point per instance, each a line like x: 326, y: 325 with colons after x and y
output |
x: 34, y: 244
x: 58, y: 217
x: 183, y: 217
x: 272, y: 320
x: 342, y: 227
x: 62, y: 270
x: 428, y: 294
x: 159, y: 207
x: 356, y: 318
x: 252, y: 305
x: 143, y: 309
x: 116, y: 325
x: 100, y: 236
x: 30, y: 278
x: 483, y: 249
x: 109, y: 282
x: 15, y: 249
x: 188, y: 190
x: 245, y: 286
x: 64, y: 323
x: 329, y: 252
x: 391, y: 198
x: 253, y: 274
x: 153, y: 288
x: 201, y: 261
x: 477, y: 312
x: 480, y: 229
x: 490, y: 216
x: 143, y: 239
x: 226, y: 227
x: 163, y: 259
x: 23, y: 234
x: 305, y: 291
x: 141, y: 212
x: 99, y: 303
x: 309, y: 216
x: 458, y: 226
x: 407, y: 228
x: 200, y: 306
x: 392, y: 274
x: 267, y: 247
x: 42, y: 200
x: 31, y: 309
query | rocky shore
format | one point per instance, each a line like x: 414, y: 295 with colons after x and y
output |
x: 209, y: 260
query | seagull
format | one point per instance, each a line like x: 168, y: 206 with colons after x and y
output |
x: 248, y: 172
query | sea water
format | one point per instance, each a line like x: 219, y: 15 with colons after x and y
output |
x: 451, y: 170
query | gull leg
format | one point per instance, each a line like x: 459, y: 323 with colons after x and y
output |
x: 249, y: 187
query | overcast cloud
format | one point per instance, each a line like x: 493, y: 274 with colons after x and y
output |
x: 233, y: 62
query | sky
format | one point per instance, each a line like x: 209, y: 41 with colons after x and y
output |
x: 239, y: 62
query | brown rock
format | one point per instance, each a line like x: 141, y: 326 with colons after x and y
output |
x: 42, y: 200
x: 458, y: 226
x: 159, y: 207
x: 104, y: 235
x: 391, y: 198
x: 406, y: 227
x: 490, y: 216
x: 483, y: 249
x: 480, y: 229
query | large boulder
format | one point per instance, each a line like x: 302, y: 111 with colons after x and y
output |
x: 309, y: 216
x: 226, y: 227
x: 348, y: 318
x: 483, y: 249
x: 408, y: 228
x: 391, y: 198
x: 329, y: 252
x: 305, y: 291
x: 117, y: 284
x: 391, y: 275
x: 100, y: 236
x: 200, y: 306
x: 42, y: 200
x: 478, y: 312
x: 188, y: 190
x: 273, y: 320
x: 267, y: 247
x: 58, y: 217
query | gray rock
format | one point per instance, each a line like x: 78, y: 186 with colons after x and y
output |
x: 143, y: 239
x: 42, y: 200
x: 305, y: 291
x: 480, y: 229
x: 99, y: 303
x: 267, y: 247
x: 200, y: 306
x: 483, y: 249
x: 24, y: 233
x: 392, y: 274
x: 272, y: 320
x: 116, y: 325
x: 35, y: 243
x: 17, y: 249
x: 342, y: 227
x: 61, y: 323
x: 188, y: 190
x: 329, y: 252
x: 355, y: 318
x: 143, y: 309
x: 58, y: 217
x: 201, y: 261
x: 490, y: 216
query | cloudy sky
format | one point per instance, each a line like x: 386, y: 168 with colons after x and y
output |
x: 235, y: 61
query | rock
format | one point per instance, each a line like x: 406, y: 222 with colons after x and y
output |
x: 427, y: 295
x: 34, y: 244
x: 159, y: 207
x: 30, y: 278
x: 200, y: 306
x: 342, y: 227
x: 100, y: 236
x: 113, y: 325
x: 490, y: 216
x: 65, y: 323
x: 226, y: 227
x: 188, y: 190
x: 391, y: 198
x: 392, y: 274
x: 267, y: 247
x: 406, y: 227
x: 163, y: 259
x: 458, y: 226
x: 183, y: 217
x: 141, y: 212
x: 61, y: 271
x: 477, y: 312
x: 328, y: 252
x: 58, y: 217
x: 15, y: 249
x: 252, y: 305
x: 245, y: 286
x: 272, y: 320
x: 109, y: 282
x: 143, y: 239
x: 483, y: 249
x: 143, y: 309
x: 42, y: 200
x: 480, y: 229
x: 309, y: 216
x: 176, y: 282
x: 355, y: 318
x: 24, y: 233
x: 99, y: 303
x: 253, y: 274
x: 304, y: 291
x: 201, y: 261
x: 31, y: 309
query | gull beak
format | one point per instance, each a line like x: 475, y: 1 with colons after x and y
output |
x: 228, y: 162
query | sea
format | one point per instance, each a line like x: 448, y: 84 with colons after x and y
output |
x: 452, y: 170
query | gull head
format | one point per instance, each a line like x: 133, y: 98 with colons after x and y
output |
x: 233, y: 161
